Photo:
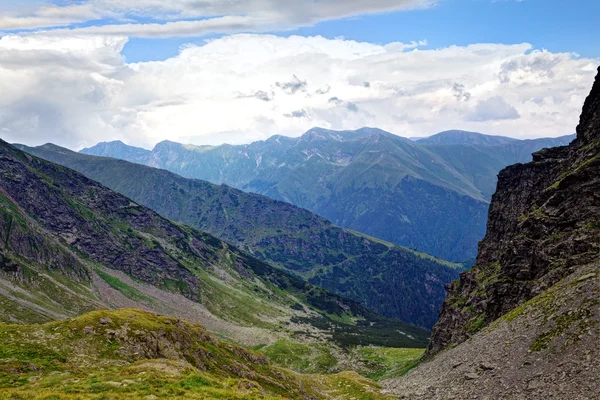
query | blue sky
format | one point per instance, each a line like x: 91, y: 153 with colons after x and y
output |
x: 555, y: 25
x: 237, y: 71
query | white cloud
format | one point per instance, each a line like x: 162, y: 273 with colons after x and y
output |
x: 192, y: 17
x: 78, y: 90
x: 493, y: 109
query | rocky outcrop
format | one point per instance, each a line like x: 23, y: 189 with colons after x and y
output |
x: 544, y: 225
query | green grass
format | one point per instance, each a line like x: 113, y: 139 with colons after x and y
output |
x: 307, y: 358
x: 128, y: 291
x: 389, y: 362
x: 131, y: 354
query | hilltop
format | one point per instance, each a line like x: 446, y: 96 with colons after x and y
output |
x: 132, y: 354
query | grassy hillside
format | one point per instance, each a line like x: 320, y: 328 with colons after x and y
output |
x: 131, y: 354
x: 394, y: 281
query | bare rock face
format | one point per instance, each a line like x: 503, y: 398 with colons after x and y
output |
x: 544, y: 225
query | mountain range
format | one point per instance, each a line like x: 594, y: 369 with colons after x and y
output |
x: 76, y: 257
x: 431, y: 194
x: 69, y: 245
x: 395, y: 281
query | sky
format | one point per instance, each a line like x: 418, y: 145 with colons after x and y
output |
x: 76, y: 73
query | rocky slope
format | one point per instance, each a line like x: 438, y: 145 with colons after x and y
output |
x: 525, y: 321
x: 434, y: 194
x: 130, y: 354
x: 400, y: 283
x: 547, y: 348
x: 69, y: 245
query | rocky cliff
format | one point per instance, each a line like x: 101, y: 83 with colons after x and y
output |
x: 544, y: 224
x: 525, y: 322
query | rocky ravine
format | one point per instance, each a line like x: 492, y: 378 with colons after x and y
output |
x: 524, y: 322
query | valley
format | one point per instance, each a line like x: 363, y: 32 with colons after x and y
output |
x: 400, y: 283
x: 70, y: 246
x: 523, y: 322
x: 299, y: 200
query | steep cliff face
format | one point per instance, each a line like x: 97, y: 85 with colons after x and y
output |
x: 544, y: 225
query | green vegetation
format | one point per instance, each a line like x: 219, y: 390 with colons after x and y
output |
x: 130, y: 354
x: 127, y: 290
x: 306, y: 358
x: 390, y: 363
x: 401, y: 284
x: 88, y: 242
x: 476, y: 324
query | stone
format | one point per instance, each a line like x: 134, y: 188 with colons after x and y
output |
x: 471, y: 376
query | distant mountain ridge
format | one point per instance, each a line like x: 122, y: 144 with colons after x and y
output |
x: 394, y: 281
x: 432, y: 197
x: 455, y: 137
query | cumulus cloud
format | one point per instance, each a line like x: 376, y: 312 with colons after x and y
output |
x: 297, y: 114
x: 78, y: 90
x: 293, y: 86
x: 192, y: 17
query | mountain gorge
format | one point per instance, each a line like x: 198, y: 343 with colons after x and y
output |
x: 434, y: 193
x: 525, y: 321
x: 394, y: 281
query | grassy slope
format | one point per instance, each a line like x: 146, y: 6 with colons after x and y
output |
x: 129, y: 354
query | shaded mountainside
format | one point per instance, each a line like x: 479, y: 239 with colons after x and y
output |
x: 432, y: 195
x: 131, y: 354
x: 544, y: 224
x: 69, y: 244
x: 394, y: 281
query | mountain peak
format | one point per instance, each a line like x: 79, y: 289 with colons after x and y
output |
x: 589, y: 123
x: 340, y: 136
x: 116, y: 149
x: 167, y: 144
x: 456, y: 137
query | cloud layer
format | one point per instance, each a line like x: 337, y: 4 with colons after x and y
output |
x: 158, y: 18
x: 77, y: 90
